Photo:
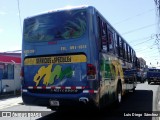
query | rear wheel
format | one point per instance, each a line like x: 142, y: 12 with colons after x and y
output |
x: 119, y: 94
x: 149, y: 82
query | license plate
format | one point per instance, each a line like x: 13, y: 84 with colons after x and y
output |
x: 54, y: 103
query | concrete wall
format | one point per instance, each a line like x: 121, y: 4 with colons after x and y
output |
x: 14, y: 84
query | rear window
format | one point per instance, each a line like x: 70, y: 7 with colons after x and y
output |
x: 55, y: 26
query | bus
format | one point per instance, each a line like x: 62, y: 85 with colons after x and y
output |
x: 74, y: 57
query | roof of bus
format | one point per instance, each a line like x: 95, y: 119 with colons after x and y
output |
x: 61, y: 9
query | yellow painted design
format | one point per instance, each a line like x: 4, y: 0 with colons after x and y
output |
x: 118, y: 68
x: 43, y: 72
x: 49, y: 76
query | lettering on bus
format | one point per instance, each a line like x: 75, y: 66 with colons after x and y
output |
x: 78, y: 47
x: 50, y: 76
x: 54, y: 60
x: 29, y: 51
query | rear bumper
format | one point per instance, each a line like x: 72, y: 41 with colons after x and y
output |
x: 65, y: 100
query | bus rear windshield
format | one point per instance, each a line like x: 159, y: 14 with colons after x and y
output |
x: 55, y: 26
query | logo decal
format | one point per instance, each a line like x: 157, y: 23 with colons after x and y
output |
x: 50, y: 76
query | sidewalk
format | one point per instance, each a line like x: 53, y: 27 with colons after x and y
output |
x: 8, y: 95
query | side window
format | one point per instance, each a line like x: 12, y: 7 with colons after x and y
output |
x: 124, y: 53
x: 115, y: 43
x: 127, y: 55
x: 99, y: 32
x: 102, y: 34
x: 8, y: 71
x: 118, y: 46
x: 134, y: 58
x: 110, y: 40
x: 121, y: 47
x: 130, y: 54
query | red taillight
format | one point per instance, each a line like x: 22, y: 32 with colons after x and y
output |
x: 91, y: 71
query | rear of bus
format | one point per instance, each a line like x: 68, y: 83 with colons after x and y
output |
x: 59, y: 66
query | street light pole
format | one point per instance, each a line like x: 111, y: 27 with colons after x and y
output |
x: 14, y: 79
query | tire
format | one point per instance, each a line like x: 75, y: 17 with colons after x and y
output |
x: 149, y: 82
x: 134, y: 89
x: 119, y: 94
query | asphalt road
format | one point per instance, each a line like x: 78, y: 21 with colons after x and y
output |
x: 144, y: 99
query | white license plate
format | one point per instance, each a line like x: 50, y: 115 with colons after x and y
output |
x: 54, y: 103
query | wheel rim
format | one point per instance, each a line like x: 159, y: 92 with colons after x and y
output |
x: 119, y: 97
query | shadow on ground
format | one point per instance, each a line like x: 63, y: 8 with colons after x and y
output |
x: 133, y: 103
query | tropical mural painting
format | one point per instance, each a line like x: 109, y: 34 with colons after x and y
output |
x: 111, y: 68
x: 48, y: 76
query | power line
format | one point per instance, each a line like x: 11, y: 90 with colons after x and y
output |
x: 142, y: 42
x: 134, y: 30
x: 129, y: 18
x: 145, y: 48
x: 135, y: 40
x: 155, y: 56
x: 151, y: 51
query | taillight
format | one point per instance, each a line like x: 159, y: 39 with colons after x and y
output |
x: 91, y: 71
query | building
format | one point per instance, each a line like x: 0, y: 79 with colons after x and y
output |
x: 142, y: 63
x: 10, y: 65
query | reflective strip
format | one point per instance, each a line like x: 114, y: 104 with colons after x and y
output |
x: 48, y: 87
x: 67, y: 87
x: 90, y: 91
x: 39, y: 87
x: 95, y: 91
x: 30, y: 87
x: 24, y: 90
x: 79, y: 87
x: 56, y: 87
x: 85, y: 91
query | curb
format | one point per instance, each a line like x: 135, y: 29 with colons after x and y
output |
x: 7, y: 96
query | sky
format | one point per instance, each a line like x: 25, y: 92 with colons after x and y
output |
x: 135, y: 20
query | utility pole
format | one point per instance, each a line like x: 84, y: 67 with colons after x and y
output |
x: 157, y: 2
x: 157, y: 41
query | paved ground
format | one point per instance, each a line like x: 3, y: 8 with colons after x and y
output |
x: 9, y: 102
x: 145, y: 98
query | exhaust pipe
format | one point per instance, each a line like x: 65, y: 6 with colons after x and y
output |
x: 84, y: 100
